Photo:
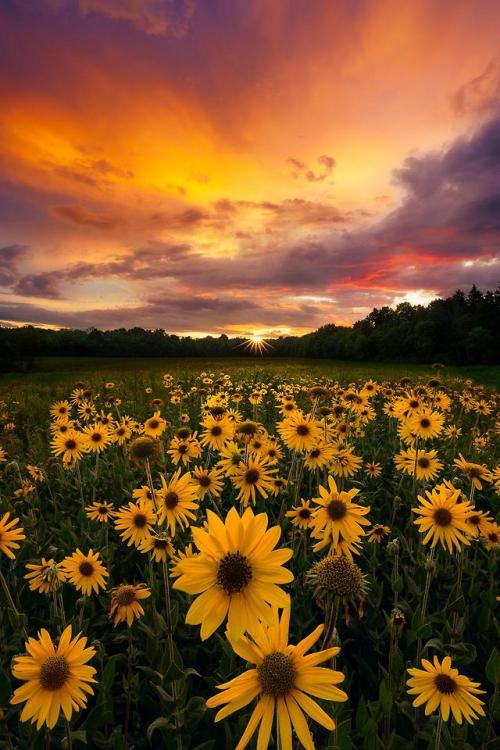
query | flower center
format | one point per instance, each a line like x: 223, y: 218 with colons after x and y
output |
x: 102, y: 510
x: 70, y: 445
x: 445, y: 684
x: 205, y: 481
x: 140, y: 520
x: 125, y: 595
x: 315, y: 453
x: 183, y: 449
x: 425, y: 423
x: 96, y: 437
x: 336, y: 510
x: 54, y: 673
x: 216, y: 430
x: 276, y: 674
x: 304, y: 513
x: 160, y: 544
x: 153, y: 424
x: 252, y: 476
x: 86, y: 568
x: 302, y: 429
x: 171, y: 500
x: 423, y: 463
x: 442, y: 517
x: 235, y: 573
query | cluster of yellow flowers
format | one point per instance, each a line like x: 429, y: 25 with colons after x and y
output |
x: 232, y: 568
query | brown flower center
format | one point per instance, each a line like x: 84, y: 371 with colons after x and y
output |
x: 216, y: 430
x: 204, y: 481
x: 336, y: 509
x: 423, y: 463
x: 140, y: 520
x: 54, y: 673
x: 171, y: 500
x: 302, y: 430
x: 276, y: 674
x: 445, y: 684
x: 153, y: 424
x: 125, y: 596
x: 425, y: 423
x: 86, y: 568
x: 304, y: 513
x: 235, y: 573
x: 252, y: 476
x: 70, y: 444
x: 442, y: 517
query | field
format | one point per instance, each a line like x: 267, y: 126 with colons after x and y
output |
x: 256, y: 552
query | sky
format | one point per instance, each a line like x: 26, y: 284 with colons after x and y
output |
x: 245, y: 166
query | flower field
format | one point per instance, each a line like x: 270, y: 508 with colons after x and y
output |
x: 229, y: 559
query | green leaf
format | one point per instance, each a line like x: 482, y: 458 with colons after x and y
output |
x: 160, y: 723
x: 385, y: 697
x: 493, y: 667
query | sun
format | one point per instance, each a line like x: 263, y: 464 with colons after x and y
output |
x: 256, y: 344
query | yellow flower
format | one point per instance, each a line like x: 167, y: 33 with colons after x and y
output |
x: 70, y: 445
x: 45, y: 576
x: 301, y: 515
x: 441, y: 686
x: 372, y: 469
x: 283, y: 680
x: 254, y: 476
x: 344, y: 463
x: 100, y: 511
x: 426, y: 424
x: 337, y: 517
x: 300, y: 432
x: 184, y: 450
x: 85, y: 572
x: 377, y: 532
x: 443, y: 519
x: 177, y: 501
x: 320, y: 456
x: 155, y: 425
x: 135, y: 522
x: 217, y: 432
x: 125, y: 606
x: 159, y: 545
x: 60, y: 410
x: 96, y: 437
x: 477, y: 473
x: 236, y: 574
x: 55, y: 679
x: 208, y: 480
x: 10, y: 535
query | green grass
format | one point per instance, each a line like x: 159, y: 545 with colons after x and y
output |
x: 65, y: 370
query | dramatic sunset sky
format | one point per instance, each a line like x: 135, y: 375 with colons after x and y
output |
x: 245, y: 165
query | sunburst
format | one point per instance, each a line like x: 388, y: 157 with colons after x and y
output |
x: 256, y: 344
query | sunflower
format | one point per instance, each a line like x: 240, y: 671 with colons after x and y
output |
x: 217, y: 432
x: 10, y: 535
x: 372, y: 469
x: 85, y: 572
x: 272, y: 451
x: 35, y: 473
x: 301, y: 515
x: 135, y: 522
x: 70, y: 445
x: 254, y: 476
x: 337, y: 516
x: 155, y: 425
x: 491, y: 537
x: 426, y: 464
x: 125, y: 602
x: 159, y: 545
x: 96, y: 437
x: 344, y: 463
x: 231, y: 457
x: 142, y: 493
x: 120, y: 433
x: 337, y: 576
x: 443, y: 519
x: 477, y: 473
x: 100, y: 511
x: 176, y: 501
x: 55, y: 679
x: 300, y: 432
x: 283, y: 680
x: 184, y: 449
x: 86, y: 410
x: 320, y: 456
x: 235, y: 573
x: 378, y: 532
x: 426, y: 424
x: 208, y: 480
x: 45, y: 576
x: 60, y: 410
x: 441, y: 686
x: 479, y: 522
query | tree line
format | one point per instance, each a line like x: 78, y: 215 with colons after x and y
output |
x: 462, y: 329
